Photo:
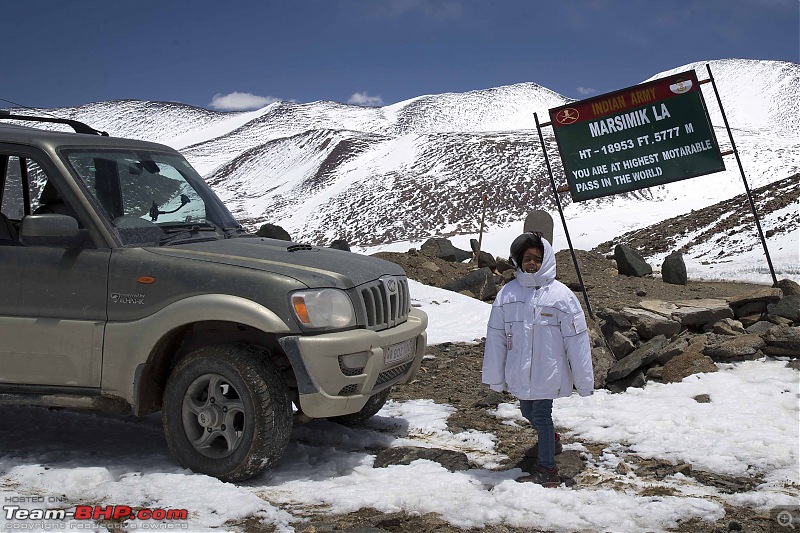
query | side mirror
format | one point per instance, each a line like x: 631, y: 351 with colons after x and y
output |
x: 60, y: 231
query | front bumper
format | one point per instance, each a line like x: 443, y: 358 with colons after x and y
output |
x: 324, y: 387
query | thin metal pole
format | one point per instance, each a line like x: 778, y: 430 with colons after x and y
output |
x: 746, y: 186
x: 563, y: 220
x: 480, y: 234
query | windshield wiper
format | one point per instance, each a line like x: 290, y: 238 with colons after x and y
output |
x: 176, y: 235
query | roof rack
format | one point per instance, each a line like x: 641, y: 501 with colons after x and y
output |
x: 76, y: 125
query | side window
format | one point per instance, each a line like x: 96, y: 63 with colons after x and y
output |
x: 15, y: 167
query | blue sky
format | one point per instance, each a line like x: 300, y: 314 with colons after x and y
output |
x: 245, y: 54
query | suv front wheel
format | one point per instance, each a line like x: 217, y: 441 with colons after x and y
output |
x: 226, y: 412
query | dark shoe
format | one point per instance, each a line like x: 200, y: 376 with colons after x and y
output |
x: 546, y: 477
x: 533, y: 451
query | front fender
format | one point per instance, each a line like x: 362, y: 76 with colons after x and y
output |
x: 130, y: 344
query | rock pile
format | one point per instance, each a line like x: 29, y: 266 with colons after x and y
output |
x: 647, y: 329
x: 669, y: 340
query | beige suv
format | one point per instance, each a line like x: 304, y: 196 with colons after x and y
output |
x: 131, y: 288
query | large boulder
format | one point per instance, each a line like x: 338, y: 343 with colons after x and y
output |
x: 673, y: 270
x: 340, y: 244
x: 271, y: 231
x: 787, y: 307
x: 699, y: 312
x: 478, y: 282
x: 444, y: 249
x: 485, y: 259
x: 630, y: 262
x: 649, y: 324
x: 782, y: 341
x: 740, y: 348
x: 789, y: 287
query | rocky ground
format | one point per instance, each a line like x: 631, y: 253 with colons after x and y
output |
x: 451, y: 375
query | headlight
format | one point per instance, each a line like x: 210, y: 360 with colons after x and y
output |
x: 323, y: 308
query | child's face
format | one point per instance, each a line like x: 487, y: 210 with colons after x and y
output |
x: 532, y: 260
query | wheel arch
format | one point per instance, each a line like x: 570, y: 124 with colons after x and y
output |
x: 138, y: 355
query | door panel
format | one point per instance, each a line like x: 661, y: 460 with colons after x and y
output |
x: 52, y: 299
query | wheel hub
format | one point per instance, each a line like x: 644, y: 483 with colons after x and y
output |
x: 210, y: 417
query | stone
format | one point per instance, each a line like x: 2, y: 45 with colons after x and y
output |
x: 762, y: 326
x: 479, y: 282
x: 430, y: 265
x: 728, y: 326
x: 636, y: 380
x: 673, y: 270
x: 789, y: 287
x: 630, y: 262
x: 271, y: 231
x: 340, y: 244
x: 691, y: 312
x: 702, y: 398
x: 686, y: 364
x: 741, y: 348
x: 485, y: 259
x: 444, y: 249
x: 782, y: 341
x: 649, y: 324
x: 765, y: 295
x: 502, y: 265
x: 621, y: 345
x: 623, y: 468
x: 405, y: 455
x: 642, y: 356
x: 673, y: 349
x: 750, y: 320
x: 786, y: 307
x: 779, y: 320
x: 750, y: 308
x: 654, y: 373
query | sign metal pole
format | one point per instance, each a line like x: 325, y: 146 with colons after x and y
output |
x: 744, y: 179
x: 563, y: 220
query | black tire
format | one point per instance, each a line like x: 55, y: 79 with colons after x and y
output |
x: 373, y: 405
x: 227, y: 412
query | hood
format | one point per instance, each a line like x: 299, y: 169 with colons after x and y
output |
x: 546, y: 273
x: 314, y: 266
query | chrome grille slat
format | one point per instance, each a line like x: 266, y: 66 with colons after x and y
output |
x: 385, y: 308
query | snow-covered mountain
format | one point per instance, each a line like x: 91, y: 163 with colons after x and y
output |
x: 374, y: 175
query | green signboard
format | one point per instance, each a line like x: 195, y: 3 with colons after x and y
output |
x: 642, y: 136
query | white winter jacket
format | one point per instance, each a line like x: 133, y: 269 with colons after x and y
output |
x: 537, y: 344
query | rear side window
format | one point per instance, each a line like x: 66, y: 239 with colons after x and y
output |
x: 14, y: 205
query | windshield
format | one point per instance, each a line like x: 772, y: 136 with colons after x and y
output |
x: 148, y: 195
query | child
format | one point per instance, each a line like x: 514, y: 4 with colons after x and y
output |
x: 537, y: 346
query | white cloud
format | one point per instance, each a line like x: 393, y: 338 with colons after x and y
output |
x: 586, y: 91
x: 237, y: 101
x: 365, y: 99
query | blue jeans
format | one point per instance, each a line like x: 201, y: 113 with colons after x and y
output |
x: 540, y: 414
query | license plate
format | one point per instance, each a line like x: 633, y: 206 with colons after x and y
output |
x: 398, y: 352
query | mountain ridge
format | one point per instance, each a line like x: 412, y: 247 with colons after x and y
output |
x: 373, y: 175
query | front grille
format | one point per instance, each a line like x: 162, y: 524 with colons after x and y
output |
x: 386, y: 302
x: 389, y: 375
